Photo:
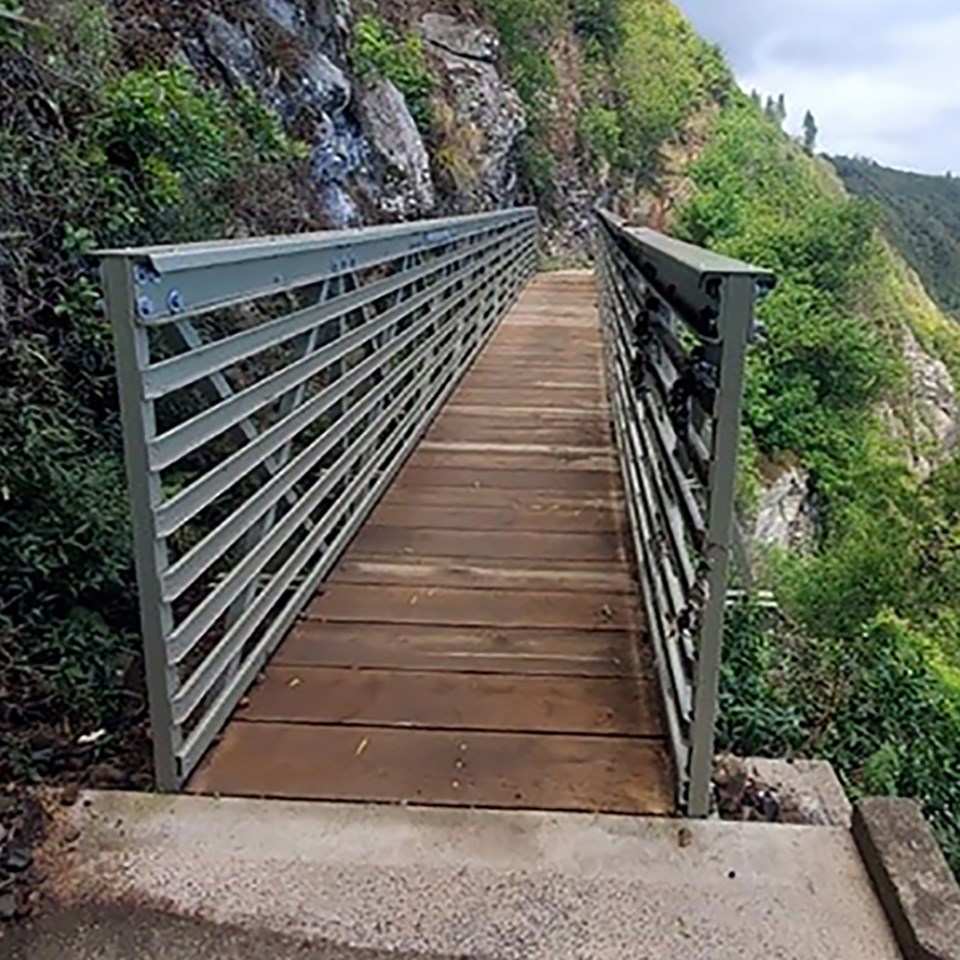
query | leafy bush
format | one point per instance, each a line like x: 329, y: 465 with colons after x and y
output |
x: 527, y: 28
x: 863, y: 669
x: 602, y: 133
x: 662, y: 72
x: 870, y: 703
x: 91, y: 154
x: 379, y: 51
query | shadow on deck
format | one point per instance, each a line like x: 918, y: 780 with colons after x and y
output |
x: 479, y: 643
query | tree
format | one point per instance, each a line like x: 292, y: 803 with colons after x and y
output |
x: 771, y: 109
x: 810, y: 132
x: 757, y: 99
x: 782, y: 109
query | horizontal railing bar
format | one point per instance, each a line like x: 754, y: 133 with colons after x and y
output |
x: 699, y: 455
x: 180, y: 371
x: 178, y: 442
x: 208, y: 727
x: 670, y: 604
x: 187, y: 503
x: 186, y: 570
x: 175, y: 283
x: 205, y: 614
x: 205, y: 678
x: 679, y: 485
x: 675, y: 726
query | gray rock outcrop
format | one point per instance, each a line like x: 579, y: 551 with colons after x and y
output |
x: 399, y: 154
x: 786, y: 515
x: 486, y: 116
x: 928, y: 419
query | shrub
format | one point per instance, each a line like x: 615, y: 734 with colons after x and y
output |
x: 377, y: 50
x: 601, y: 131
x: 90, y: 154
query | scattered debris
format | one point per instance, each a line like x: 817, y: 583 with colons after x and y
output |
x: 23, y: 822
x: 685, y: 837
x: 90, y: 738
x: 361, y: 746
x: 744, y: 796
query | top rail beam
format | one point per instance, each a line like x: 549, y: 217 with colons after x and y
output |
x: 173, y: 282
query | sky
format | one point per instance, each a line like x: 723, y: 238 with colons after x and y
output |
x: 882, y: 77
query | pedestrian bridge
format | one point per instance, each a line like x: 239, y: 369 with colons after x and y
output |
x: 415, y: 523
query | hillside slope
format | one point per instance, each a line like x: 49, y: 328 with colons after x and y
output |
x: 133, y: 121
x: 921, y: 215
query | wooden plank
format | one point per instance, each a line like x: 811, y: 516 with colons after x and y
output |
x: 533, y: 651
x: 504, y: 575
x: 475, y: 497
x: 604, y: 706
x: 527, y: 396
x: 482, y: 608
x: 597, y: 547
x: 588, y: 482
x: 571, y: 461
x: 500, y: 770
x: 477, y: 430
x: 540, y: 415
x: 535, y: 518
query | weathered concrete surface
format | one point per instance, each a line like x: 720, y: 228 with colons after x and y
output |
x: 809, y: 791
x: 911, y: 875
x: 476, y: 884
x: 131, y: 933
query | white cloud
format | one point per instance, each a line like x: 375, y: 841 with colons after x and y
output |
x: 881, y: 76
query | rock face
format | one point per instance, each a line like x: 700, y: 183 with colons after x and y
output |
x: 399, y: 152
x: 368, y: 160
x: 232, y: 50
x: 481, y: 116
x: 929, y: 419
x: 786, y: 515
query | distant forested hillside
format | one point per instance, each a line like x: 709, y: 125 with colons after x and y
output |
x: 922, y: 215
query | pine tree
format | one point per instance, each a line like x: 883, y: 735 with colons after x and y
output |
x: 782, y: 109
x: 810, y: 132
x: 771, y: 109
x: 757, y: 99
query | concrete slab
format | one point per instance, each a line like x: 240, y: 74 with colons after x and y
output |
x: 474, y: 883
x: 912, y: 877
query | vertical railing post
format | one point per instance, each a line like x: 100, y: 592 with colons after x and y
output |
x: 132, y: 349
x: 735, y: 323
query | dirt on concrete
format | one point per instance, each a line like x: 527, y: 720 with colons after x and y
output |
x: 125, y: 933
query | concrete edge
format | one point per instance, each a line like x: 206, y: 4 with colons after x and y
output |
x: 910, y: 874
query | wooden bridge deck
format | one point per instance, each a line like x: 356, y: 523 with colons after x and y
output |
x: 478, y: 643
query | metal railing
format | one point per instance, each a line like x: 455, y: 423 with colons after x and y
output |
x: 676, y: 322
x: 270, y: 390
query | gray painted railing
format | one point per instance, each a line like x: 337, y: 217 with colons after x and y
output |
x: 676, y: 323
x: 270, y: 391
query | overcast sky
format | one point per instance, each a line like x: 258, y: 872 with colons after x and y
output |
x: 882, y: 77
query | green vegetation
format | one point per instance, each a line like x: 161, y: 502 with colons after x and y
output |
x: 863, y: 669
x: 91, y: 154
x: 921, y: 215
x: 379, y: 51
x: 644, y: 72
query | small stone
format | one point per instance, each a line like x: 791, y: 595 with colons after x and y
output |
x: 9, y: 907
x: 18, y: 858
x: 70, y: 794
x: 732, y: 875
x: 685, y: 837
x: 106, y: 775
